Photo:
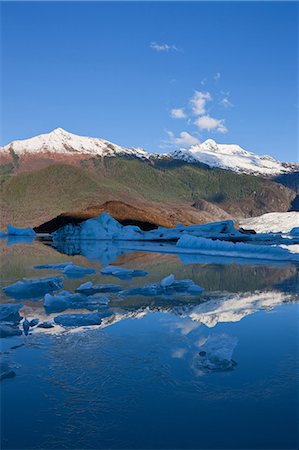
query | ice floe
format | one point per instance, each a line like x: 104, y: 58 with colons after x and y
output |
x: 215, y: 354
x: 239, y: 249
x: 33, y: 288
x: 58, y: 266
x: 78, y: 320
x: 74, y: 272
x: 122, y: 273
x: 168, y: 286
x: 67, y: 300
x: 89, y: 288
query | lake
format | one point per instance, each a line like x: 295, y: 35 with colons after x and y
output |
x: 212, y: 371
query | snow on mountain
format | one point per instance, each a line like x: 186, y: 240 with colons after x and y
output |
x: 225, y: 156
x: 232, y: 157
x: 62, y: 142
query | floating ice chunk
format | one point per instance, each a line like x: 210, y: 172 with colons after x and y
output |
x: 59, y: 266
x: 78, y: 320
x: 3, y: 235
x: 215, y: 354
x: 12, y: 231
x: 10, y: 313
x: 168, y: 286
x: 167, y: 281
x: 240, y: 249
x: 33, y: 322
x: 7, y: 329
x: 123, y: 273
x: 34, y: 288
x: 67, y: 300
x: 46, y: 324
x: 26, y: 326
x: 89, y: 288
x: 73, y: 272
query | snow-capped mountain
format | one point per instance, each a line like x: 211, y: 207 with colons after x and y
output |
x: 62, y: 142
x: 233, y: 157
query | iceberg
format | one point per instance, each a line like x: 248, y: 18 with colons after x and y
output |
x: 168, y: 286
x: 34, y: 288
x: 89, y: 288
x: 67, y: 300
x: 105, y: 227
x: 74, y: 272
x: 215, y: 354
x: 78, y: 320
x: 10, y: 313
x: 13, y: 231
x: 123, y: 273
x: 211, y: 247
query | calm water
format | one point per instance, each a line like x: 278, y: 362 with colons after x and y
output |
x: 141, y: 380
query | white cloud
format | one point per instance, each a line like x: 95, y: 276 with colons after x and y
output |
x: 184, y: 139
x: 210, y: 123
x: 225, y: 102
x: 178, y: 113
x: 217, y: 76
x: 163, y: 47
x: 199, y: 101
x: 203, y: 81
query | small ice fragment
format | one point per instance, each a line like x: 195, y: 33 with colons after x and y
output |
x: 167, y: 281
x: 34, y: 288
x: 215, y: 354
x: 78, y: 320
x: 26, y: 326
x: 46, y: 324
x: 64, y: 300
x: 122, y: 272
x: 59, y: 266
x: 73, y: 272
x: 89, y: 288
x: 33, y: 322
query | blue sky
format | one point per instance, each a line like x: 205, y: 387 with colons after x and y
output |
x: 153, y: 75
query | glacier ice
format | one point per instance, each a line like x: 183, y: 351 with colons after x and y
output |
x: 78, y: 320
x: 33, y: 288
x: 89, y: 288
x: 122, y: 273
x: 13, y: 231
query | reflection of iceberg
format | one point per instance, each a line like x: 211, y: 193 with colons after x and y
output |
x: 233, y: 307
x: 215, y: 354
x: 103, y: 251
x: 34, y: 288
x: 15, y: 240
